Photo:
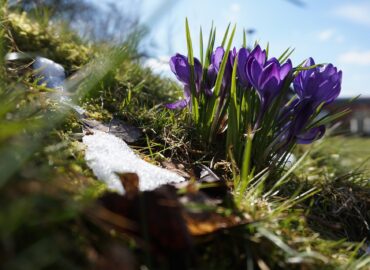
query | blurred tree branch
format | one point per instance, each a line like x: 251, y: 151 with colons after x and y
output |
x: 298, y: 3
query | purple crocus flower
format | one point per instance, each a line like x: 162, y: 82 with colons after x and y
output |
x: 266, y: 76
x: 243, y: 55
x: 180, y: 66
x: 210, y: 79
x: 319, y: 84
x: 216, y: 60
x: 300, y: 114
x: 214, y: 68
x: 311, y: 135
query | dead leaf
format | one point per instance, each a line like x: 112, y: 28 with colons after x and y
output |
x: 130, y: 182
x: 166, y: 222
x: 124, y: 131
x: 177, y: 168
x: 159, y: 215
x: 116, y: 127
x: 88, y: 125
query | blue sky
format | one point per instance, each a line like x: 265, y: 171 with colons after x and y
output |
x: 336, y: 31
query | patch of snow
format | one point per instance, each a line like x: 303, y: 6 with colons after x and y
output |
x: 49, y: 72
x: 108, y: 155
x: 53, y: 75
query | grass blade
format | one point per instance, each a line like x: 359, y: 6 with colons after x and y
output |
x: 246, y: 162
x: 244, y: 39
x: 225, y: 35
x: 212, y: 119
x: 194, y: 100
x: 201, y: 46
x: 233, y: 118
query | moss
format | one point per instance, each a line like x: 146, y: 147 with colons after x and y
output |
x: 51, y: 41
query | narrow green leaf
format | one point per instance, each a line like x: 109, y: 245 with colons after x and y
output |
x: 244, y: 39
x: 210, y: 45
x: 233, y: 117
x: 309, y: 67
x: 246, y: 162
x: 225, y: 35
x: 277, y: 241
x: 286, y: 54
x: 223, y: 64
x: 194, y: 107
x: 283, y: 179
x: 189, y: 43
x: 329, y: 118
x: 201, y: 46
x: 212, y: 118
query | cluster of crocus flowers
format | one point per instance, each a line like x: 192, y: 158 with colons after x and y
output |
x: 255, y: 94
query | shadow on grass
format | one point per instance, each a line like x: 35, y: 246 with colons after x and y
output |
x: 342, y: 209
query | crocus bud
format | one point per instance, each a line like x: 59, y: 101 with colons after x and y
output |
x: 319, y: 84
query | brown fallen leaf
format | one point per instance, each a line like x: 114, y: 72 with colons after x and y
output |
x: 130, y: 182
x: 89, y: 124
x: 158, y: 215
x: 207, y: 223
x: 164, y: 221
x: 116, y: 127
x: 177, y: 168
x: 206, y: 215
x: 124, y: 131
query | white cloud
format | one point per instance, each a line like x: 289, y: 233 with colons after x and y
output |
x: 158, y: 65
x: 235, y: 8
x: 233, y: 12
x: 357, y: 13
x: 326, y: 35
x: 329, y: 35
x: 356, y: 58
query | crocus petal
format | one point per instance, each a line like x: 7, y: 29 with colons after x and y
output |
x: 242, y: 65
x: 309, y: 62
x: 269, y: 91
x: 285, y: 69
x: 270, y: 71
x: 181, y: 104
x: 187, y: 93
x: 321, y: 85
x: 198, y: 71
x: 311, y: 135
x: 232, y: 56
x: 254, y: 70
x: 217, y: 56
x: 210, y: 80
x: 259, y: 55
x: 180, y: 67
x: 303, y: 111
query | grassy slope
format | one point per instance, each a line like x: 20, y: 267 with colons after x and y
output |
x: 44, y: 201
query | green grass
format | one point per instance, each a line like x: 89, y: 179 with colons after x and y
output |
x: 350, y: 152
